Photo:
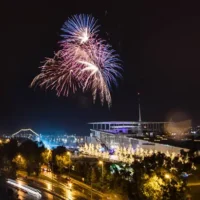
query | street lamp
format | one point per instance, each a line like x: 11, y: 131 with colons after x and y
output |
x: 68, y: 153
x: 101, y: 163
x: 19, y: 160
x: 91, y: 184
x: 167, y: 176
x: 52, y: 177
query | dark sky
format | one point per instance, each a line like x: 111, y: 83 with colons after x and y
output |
x: 159, y: 44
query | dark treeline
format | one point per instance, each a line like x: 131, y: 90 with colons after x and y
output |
x: 155, y: 177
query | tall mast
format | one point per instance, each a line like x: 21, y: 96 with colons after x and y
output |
x: 139, y: 110
x: 140, y: 133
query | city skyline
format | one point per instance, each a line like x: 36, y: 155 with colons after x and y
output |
x: 158, y: 46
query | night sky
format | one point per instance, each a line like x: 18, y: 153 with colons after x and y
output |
x: 158, y: 43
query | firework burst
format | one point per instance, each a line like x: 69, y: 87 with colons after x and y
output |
x: 79, y: 28
x: 84, y: 61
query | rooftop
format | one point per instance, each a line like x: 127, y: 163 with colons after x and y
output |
x: 128, y: 122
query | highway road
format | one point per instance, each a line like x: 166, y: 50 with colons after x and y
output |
x: 78, y: 186
x: 61, y: 190
x: 194, y: 184
x: 22, y: 195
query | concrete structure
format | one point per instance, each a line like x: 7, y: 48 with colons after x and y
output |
x: 112, y: 134
x: 131, y: 127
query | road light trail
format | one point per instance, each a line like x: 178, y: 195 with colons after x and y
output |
x: 63, y: 191
x: 78, y: 186
x: 26, y: 188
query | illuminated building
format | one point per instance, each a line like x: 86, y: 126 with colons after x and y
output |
x: 130, y: 133
x: 124, y: 134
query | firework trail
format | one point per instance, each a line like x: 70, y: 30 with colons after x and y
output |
x: 84, y: 61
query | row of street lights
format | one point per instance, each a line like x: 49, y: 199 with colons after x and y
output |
x: 69, y: 154
x: 70, y: 184
x: 100, y: 163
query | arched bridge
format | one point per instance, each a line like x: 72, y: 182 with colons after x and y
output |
x: 26, y: 133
